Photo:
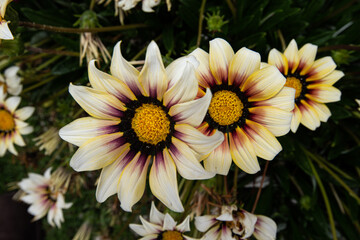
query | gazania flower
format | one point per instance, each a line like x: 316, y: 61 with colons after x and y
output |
x: 12, y: 82
x: 249, y: 106
x: 138, y: 118
x: 5, y: 32
x: 49, y: 140
x: 12, y: 124
x: 45, y: 195
x: 234, y: 224
x: 312, y: 80
x: 161, y: 226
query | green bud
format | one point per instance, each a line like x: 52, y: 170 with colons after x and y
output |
x: 342, y: 56
x: 305, y: 202
x: 215, y: 21
x: 87, y: 20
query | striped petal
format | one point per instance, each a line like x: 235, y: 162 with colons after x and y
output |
x: 323, y: 93
x: 169, y: 223
x: 292, y: 56
x: 296, y: 118
x: 138, y: 229
x: 132, y: 182
x: 220, y: 55
x: 321, y: 109
x: 309, y: 116
x: 124, y: 71
x: 96, y: 103
x: 219, y: 161
x: 83, y: 129
x: 321, y: 68
x: 242, y: 65
x: 163, y: 181
x: 265, y: 144
x: 3, y: 5
x: 5, y: 32
x: 153, y: 75
x: 213, y: 234
x: 150, y: 227
x: 265, y: 228
x: 279, y: 60
x: 98, y: 152
x: 307, y: 56
x: 203, y: 223
x: 243, y: 152
x: 263, y: 84
x: 283, y: 100
x: 276, y: 120
x: 24, y: 113
x: 332, y: 78
x: 203, y: 73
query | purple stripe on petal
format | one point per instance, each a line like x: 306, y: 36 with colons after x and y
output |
x: 110, y: 129
x: 113, y: 111
x: 116, y: 143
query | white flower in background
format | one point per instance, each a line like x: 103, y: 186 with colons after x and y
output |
x: 45, y: 195
x: 147, y: 5
x: 161, y: 226
x: 5, y: 32
x: 49, y: 140
x: 11, y: 82
x: 358, y: 102
x: 92, y: 47
x: 12, y: 124
x: 234, y: 224
x: 84, y: 232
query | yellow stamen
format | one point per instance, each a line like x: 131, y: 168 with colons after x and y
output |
x: 7, y: 122
x: 172, y: 235
x: 225, y: 107
x: 151, y: 124
x: 4, y: 85
x: 295, y: 83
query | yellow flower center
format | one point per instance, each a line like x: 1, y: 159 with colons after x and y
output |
x: 4, y: 85
x: 172, y: 235
x: 225, y: 107
x: 7, y: 122
x: 295, y: 83
x: 151, y: 124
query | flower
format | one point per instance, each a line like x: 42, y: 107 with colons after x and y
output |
x: 312, y: 80
x: 249, y: 106
x: 147, y: 5
x: 49, y: 140
x: 161, y: 226
x: 137, y: 118
x: 12, y: 124
x: 92, y: 47
x: 5, y: 32
x: 358, y: 102
x: 45, y: 195
x: 12, y: 82
x: 84, y: 232
x: 234, y: 224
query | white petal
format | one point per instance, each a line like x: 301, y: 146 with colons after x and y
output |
x: 12, y: 103
x: 296, y: 118
x: 156, y: 216
x: 309, y: 117
x: 26, y: 130
x: 307, y: 56
x: 169, y: 223
x: 323, y: 93
x: 332, y: 78
x: 321, y: 109
x: 150, y: 227
x: 11, y: 72
x: 265, y: 228
x: 219, y: 161
x: 220, y: 55
x: 203, y: 73
x: 203, y: 223
x: 283, y: 100
x: 184, y: 226
x: 292, y: 55
x: 138, y: 229
x: 5, y: 32
x: 24, y: 113
x: 321, y: 68
x: 279, y: 60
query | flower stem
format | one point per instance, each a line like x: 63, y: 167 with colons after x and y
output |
x: 260, y: 188
x: 232, y: 7
x: 201, y: 19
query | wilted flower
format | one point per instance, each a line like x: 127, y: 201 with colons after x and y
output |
x: 138, y: 118
x: 249, y: 106
x: 12, y: 124
x: 234, y: 224
x: 5, y: 32
x: 161, y: 226
x: 45, y: 195
x: 11, y: 82
x: 84, y: 232
x: 49, y: 140
x: 312, y: 80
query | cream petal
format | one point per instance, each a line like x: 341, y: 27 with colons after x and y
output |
x: 11, y: 72
x: 97, y: 103
x: 226, y: 234
x: 26, y: 130
x: 150, y: 227
x: 309, y: 116
x: 110, y: 175
x: 138, y: 229
x: 2, y: 148
x: 98, y: 152
x: 15, y: 91
x: 242, y: 65
x: 283, y: 100
x: 296, y: 118
x: 192, y: 112
x: 155, y: 215
x: 220, y: 55
x: 292, y: 55
x: 150, y: 237
x: 332, y: 78
x: 203, y: 223
x: 265, y: 144
x: 124, y: 71
x: 153, y: 75
x: 183, y: 84
x: 163, y: 181
x: 18, y: 140
x: 51, y: 216
x: 12, y: 103
x: 186, y: 162
x: 279, y: 60
x: 5, y: 32
x: 263, y: 84
x: 169, y: 223
x: 132, y: 182
x: 321, y: 109
x: 105, y: 82
x: 24, y: 113
x: 10, y: 146
x: 203, y: 73
x: 196, y: 140
x: 248, y: 222
x: 2, y: 94
x: 243, y: 152
x: 184, y: 226
x: 3, y: 5
x: 276, y: 120
x: 30, y: 198
x: 323, y: 93
x: 321, y: 68
x: 213, y: 234
x: 307, y: 56
x: 83, y: 129
x: 147, y: 5
x: 265, y: 228
x: 219, y: 161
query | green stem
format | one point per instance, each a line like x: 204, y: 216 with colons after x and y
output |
x: 47, y: 63
x: 201, y: 19
x: 38, y: 84
x: 92, y: 4
x: 232, y: 7
x: 260, y: 188
x: 326, y: 200
x: 282, y: 40
x: 142, y: 51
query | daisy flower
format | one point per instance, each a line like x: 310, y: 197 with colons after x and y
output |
x: 312, y: 80
x: 138, y: 118
x: 48, y: 141
x: 12, y: 124
x: 234, y: 224
x: 161, y: 226
x: 12, y: 82
x: 249, y: 106
x: 5, y: 32
x: 45, y: 195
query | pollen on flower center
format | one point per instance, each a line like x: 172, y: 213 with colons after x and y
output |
x: 225, y: 107
x: 172, y: 235
x: 7, y: 122
x: 295, y: 83
x: 150, y: 124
